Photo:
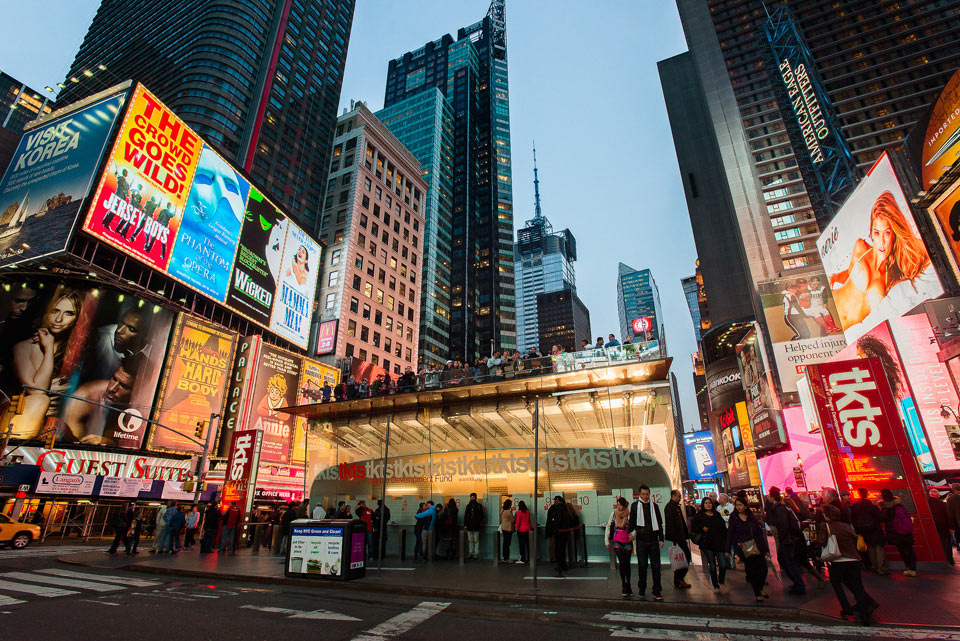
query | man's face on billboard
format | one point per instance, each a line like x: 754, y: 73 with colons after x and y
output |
x: 119, y: 388
x: 127, y: 338
x: 217, y: 189
x: 20, y: 300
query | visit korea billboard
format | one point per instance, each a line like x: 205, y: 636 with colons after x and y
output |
x: 875, y: 260
x: 169, y: 200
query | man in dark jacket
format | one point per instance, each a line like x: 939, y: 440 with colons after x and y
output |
x: 558, y: 522
x: 788, y: 538
x: 646, y: 524
x: 121, y: 523
x: 175, y: 525
x: 865, y: 518
x: 381, y: 517
x: 289, y: 516
x: 473, y: 523
x: 676, y: 532
x: 211, y: 523
x: 938, y: 509
x: 953, y: 511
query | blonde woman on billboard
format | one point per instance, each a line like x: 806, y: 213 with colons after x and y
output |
x: 893, y: 256
x: 38, y: 360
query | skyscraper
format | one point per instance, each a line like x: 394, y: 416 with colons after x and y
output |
x: 19, y: 104
x: 562, y: 320
x: 690, y: 293
x: 638, y: 298
x: 471, y: 73
x: 544, y: 263
x: 424, y: 124
x: 258, y: 79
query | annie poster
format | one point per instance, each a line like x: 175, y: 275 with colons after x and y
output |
x: 194, y: 385
x: 278, y: 375
x: 139, y: 202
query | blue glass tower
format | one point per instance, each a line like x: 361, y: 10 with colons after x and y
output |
x: 638, y: 297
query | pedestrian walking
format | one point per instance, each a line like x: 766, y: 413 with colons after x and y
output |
x: 619, y: 538
x: 677, y: 532
x: 844, y: 560
x: 381, y: 518
x: 524, y: 526
x: 193, y: 524
x: 898, y: 527
x: 418, y: 534
x: 133, y: 533
x: 646, y: 524
x: 211, y: 523
x: 710, y: 534
x: 941, y: 521
x: 508, y: 517
x: 558, y: 520
x: 473, y: 522
x: 789, y: 536
x: 746, y: 536
x: 865, y: 517
x: 229, y: 523
x: 175, y: 526
x: 121, y: 524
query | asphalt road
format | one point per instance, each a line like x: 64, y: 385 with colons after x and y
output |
x: 44, y: 599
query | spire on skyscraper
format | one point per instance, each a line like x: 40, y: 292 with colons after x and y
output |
x: 536, y: 186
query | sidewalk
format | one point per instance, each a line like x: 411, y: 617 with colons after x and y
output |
x: 931, y: 599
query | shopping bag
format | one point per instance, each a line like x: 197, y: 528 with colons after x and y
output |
x: 861, y: 544
x: 678, y: 559
x: 831, y: 551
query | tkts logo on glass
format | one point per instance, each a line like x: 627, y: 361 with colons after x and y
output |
x: 857, y: 414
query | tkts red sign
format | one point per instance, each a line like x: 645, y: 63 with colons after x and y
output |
x: 241, y: 472
x: 866, y: 443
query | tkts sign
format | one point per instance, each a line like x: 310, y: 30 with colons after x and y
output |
x: 241, y: 472
x: 866, y: 443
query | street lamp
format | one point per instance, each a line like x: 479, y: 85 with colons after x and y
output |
x: 803, y: 476
x: 947, y: 412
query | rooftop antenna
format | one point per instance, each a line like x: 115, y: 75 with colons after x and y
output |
x: 536, y: 186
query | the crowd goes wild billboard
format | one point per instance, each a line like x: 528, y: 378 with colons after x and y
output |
x: 168, y: 199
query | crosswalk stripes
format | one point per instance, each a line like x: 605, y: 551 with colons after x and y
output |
x: 106, y: 578
x: 35, y: 551
x: 9, y: 600
x: 300, y: 614
x: 659, y: 627
x: 39, y: 590
x: 403, y: 622
x: 61, y: 581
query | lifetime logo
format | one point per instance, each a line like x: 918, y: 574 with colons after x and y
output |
x: 857, y: 414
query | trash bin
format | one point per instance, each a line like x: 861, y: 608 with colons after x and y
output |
x: 328, y: 549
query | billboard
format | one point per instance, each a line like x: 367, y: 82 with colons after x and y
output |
x: 873, y: 255
x: 49, y: 177
x: 138, y: 205
x: 946, y: 214
x: 275, y: 386
x: 737, y: 444
x: 701, y: 460
x: 241, y: 471
x: 99, y: 345
x: 866, y: 444
x: 167, y: 199
x: 763, y: 402
x: 203, y: 254
x: 941, y: 137
x: 256, y: 270
x: 307, y: 436
x: 194, y: 385
x: 802, y: 323
x: 327, y: 337
x: 293, y: 304
x: 806, y: 453
x: 239, y: 388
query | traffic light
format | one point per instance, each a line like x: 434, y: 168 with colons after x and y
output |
x: 50, y: 441
x: 201, y: 425
x: 17, y: 402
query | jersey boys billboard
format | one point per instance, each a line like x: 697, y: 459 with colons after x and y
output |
x: 166, y: 198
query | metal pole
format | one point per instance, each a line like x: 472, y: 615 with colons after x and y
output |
x: 536, y: 485
x: 383, y: 503
x: 203, y: 459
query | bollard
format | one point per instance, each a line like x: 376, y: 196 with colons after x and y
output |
x: 402, y: 541
x: 257, y: 536
x: 613, y: 559
x: 463, y: 537
x: 496, y: 548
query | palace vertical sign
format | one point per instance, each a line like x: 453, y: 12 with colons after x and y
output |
x: 866, y: 443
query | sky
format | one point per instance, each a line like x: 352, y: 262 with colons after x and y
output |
x: 583, y: 85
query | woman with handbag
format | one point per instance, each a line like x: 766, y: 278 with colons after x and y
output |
x: 618, y: 535
x: 508, y: 520
x: 839, y: 544
x: 749, y: 541
x: 710, y: 532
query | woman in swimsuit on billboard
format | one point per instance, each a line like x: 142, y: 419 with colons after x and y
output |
x: 893, y: 255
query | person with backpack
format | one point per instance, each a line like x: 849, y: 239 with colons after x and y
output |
x: 841, y: 553
x: 898, y: 527
x: 789, y: 537
x: 473, y: 523
x: 508, y: 518
x: 865, y: 517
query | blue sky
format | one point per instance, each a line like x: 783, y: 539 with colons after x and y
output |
x: 583, y: 84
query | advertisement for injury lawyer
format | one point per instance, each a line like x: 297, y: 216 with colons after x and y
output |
x: 98, y: 345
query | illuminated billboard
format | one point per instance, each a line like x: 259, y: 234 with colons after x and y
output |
x: 193, y: 387
x: 946, y: 215
x: 167, y: 199
x: 941, y: 139
x: 701, y: 460
x: 49, y: 178
x: 763, y: 402
x: 875, y: 260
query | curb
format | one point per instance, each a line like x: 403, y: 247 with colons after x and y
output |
x: 796, y: 615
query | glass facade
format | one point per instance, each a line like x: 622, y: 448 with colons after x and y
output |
x: 19, y: 104
x: 424, y: 124
x: 638, y: 297
x: 600, y: 434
